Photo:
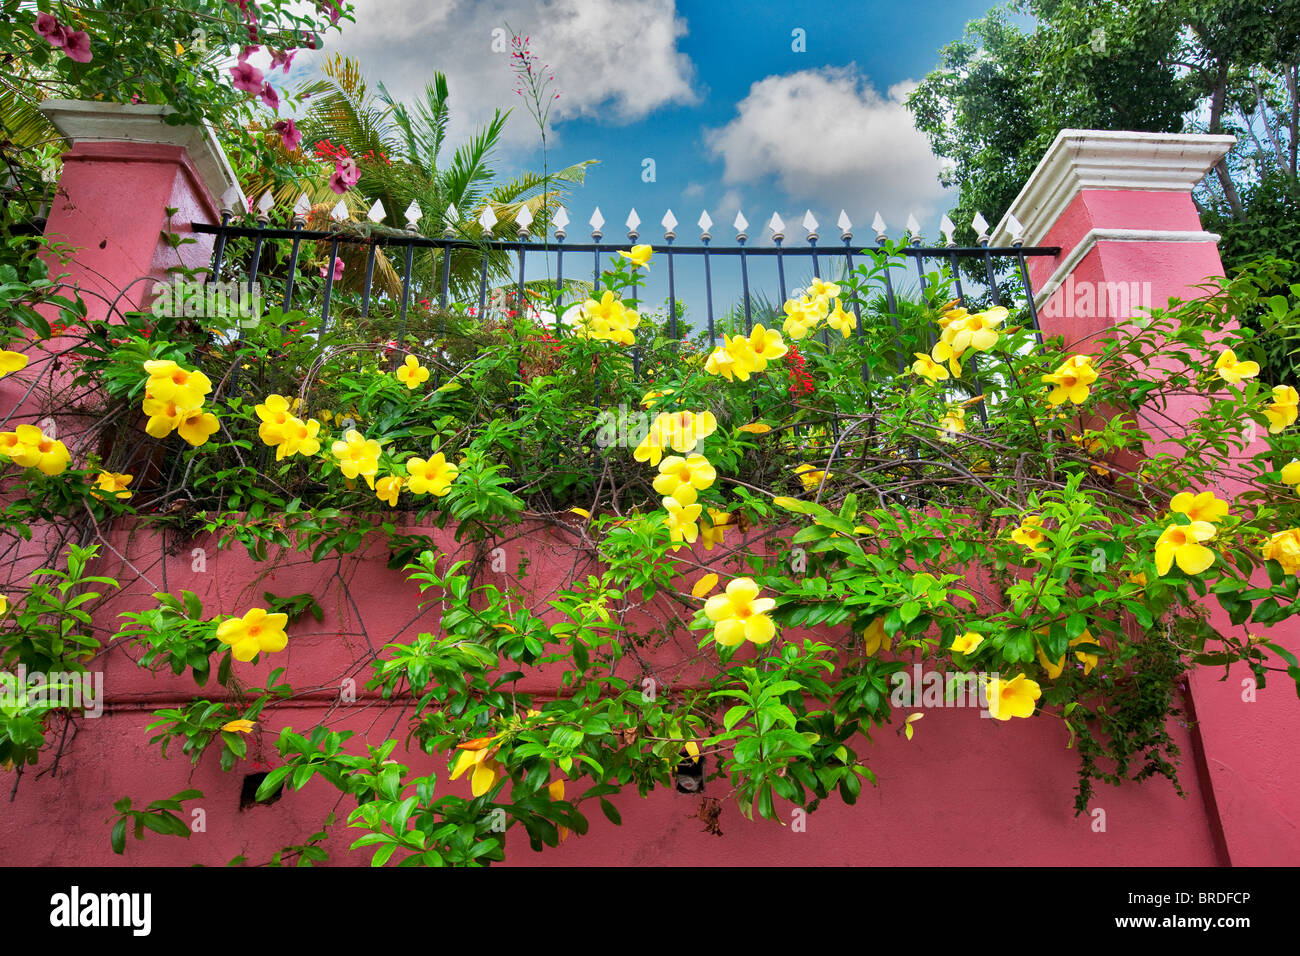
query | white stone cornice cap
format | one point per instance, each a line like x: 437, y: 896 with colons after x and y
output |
x: 90, y: 121
x: 1081, y: 159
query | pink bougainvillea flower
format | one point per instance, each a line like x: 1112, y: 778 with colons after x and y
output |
x: 49, y: 27
x: 247, y: 77
x: 345, y: 175
x: 282, y: 58
x: 290, y: 135
x: 338, y: 270
x: 270, y: 97
x: 77, y: 46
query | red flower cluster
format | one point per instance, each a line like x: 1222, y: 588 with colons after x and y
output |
x: 550, y: 341
x: 370, y: 155
x: 326, y: 149
x: 801, y: 380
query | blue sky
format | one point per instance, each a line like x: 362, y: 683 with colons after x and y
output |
x: 716, y: 93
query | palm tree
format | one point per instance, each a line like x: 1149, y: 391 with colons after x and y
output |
x: 401, y: 152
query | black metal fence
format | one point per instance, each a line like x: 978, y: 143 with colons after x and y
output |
x: 997, y: 265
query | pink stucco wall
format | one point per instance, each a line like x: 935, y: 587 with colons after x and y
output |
x: 965, y: 790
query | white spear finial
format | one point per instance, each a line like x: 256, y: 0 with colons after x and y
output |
x: 377, y: 211
x: 302, y: 209
x: 878, y: 224
x: 981, y: 227
x: 633, y: 220
x: 413, y: 214
x: 914, y: 230
x: 669, y: 222
x: 340, y: 212
x: 561, y: 219
x: 810, y: 223
x: 487, y: 218
x: 740, y: 224
x: 264, y: 206
x: 1017, y: 230
x: 705, y: 224
x: 947, y: 228
x: 597, y: 220
x: 777, y: 225
x: 846, y: 226
x: 524, y: 219
x: 230, y: 200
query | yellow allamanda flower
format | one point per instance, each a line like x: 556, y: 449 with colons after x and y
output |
x: 734, y: 359
x: 841, y: 321
x: 255, y: 632
x: 11, y: 362
x: 681, y: 520
x: 968, y: 642
x: 765, y: 345
x: 681, y: 478
x: 874, y: 638
x: 171, y: 383
x: 1029, y: 534
x: 740, y: 614
x: 681, y: 431
x: 1202, y: 507
x: 386, y: 489
x: 240, y: 726
x: 926, y: 367
x: 810, y: 476
x: 1284, y: 548
x: 1013, y: 698
x: 411, y: 373
x: 1232, y: 371
x: 977, y: 330
x: 274, y: 414
x: 477, y: 755
x: 1281, y: 413
x: 639, y: 256
x: 1054, y: 671
x: 357, y: 456
x: 713, y: 532
x: 802, y: 316
x: 196, y: 426
x: 1291, y: 473
x: 609, y: 319
x: 1071, y: 380
x: 432, y: 476
x: 555, y: 789
x: 1182, y: 543
x: 952, y: 423
x: 107, y: 482
x: 298, y: 438
x: 31, y: 448
x: 820, y: 289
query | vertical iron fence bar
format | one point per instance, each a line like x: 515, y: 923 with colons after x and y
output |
x: 636, y: 307
x: 920, y: 277
x: 256, y: 261
x: 329, y: 285
x: 520, y: 308
x: 446, y: 275
x: 559, y: 282
x: 406, y: 291
x: 708, y: 293
x: 1029, y: 290
x: 892, y: 304
x: 482, y: 284
x: 857, y: 306
x: 744, y: 282
x: 220, y: 252
x: 993, y: 280
x: 672, y: 293
x: 370, y: 278
x: 293, y: 264
x: 780, y: 267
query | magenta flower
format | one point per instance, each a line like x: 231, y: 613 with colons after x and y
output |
x: 270, y: 97
x: 338, y: 270
x: 347, y: 167
x: 282, y: 58
x: 247, y: 77
x: 77, y: 46
x: 48, y: 26
x: 290, y: 135
x: 246, y: 52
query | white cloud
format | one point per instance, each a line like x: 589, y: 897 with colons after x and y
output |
x: 829, y: 139
x: 616, y: 60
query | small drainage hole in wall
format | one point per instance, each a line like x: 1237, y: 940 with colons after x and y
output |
x: 248, y: 792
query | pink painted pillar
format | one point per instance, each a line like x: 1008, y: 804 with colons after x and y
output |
x: 1119, y: 206
x: 125, y: 168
